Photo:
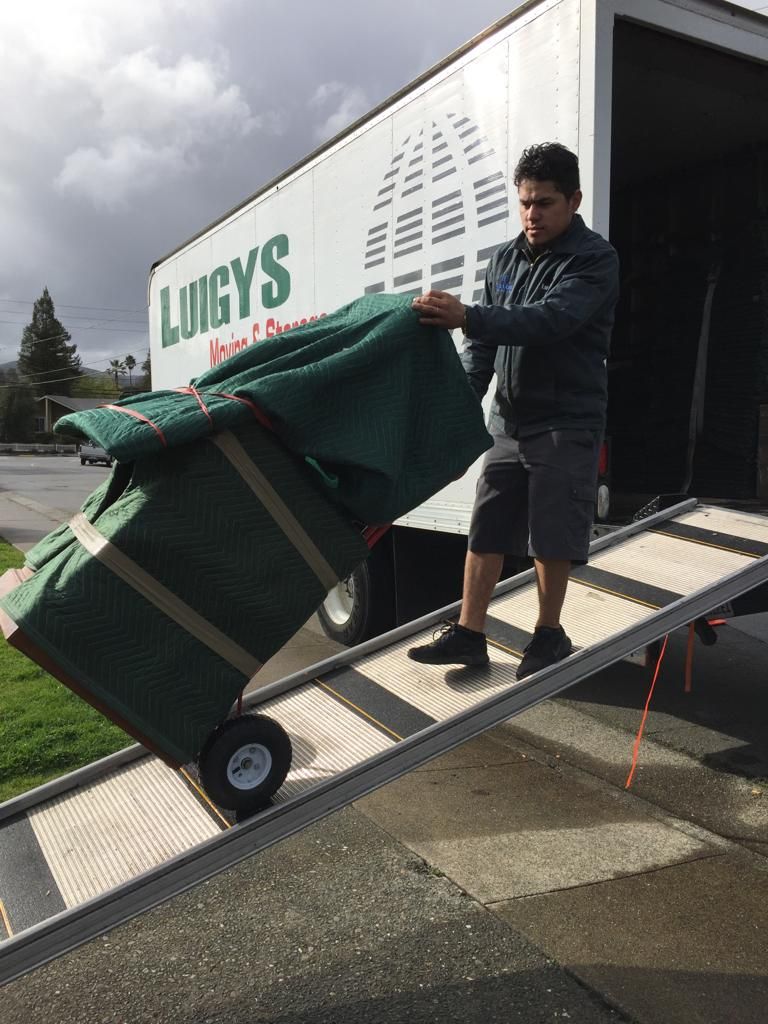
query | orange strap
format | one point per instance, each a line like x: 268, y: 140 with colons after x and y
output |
x: 260, y: 416
x: 138, y: 416
x: 193, y: 391
x: 639, y: 736
x: 689, y: 657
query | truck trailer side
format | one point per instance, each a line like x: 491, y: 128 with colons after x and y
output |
x: 665, y: 102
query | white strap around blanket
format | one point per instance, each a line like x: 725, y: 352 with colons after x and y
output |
x: 231, y: 448
x: 162, y: 598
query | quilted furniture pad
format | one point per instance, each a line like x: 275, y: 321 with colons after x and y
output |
x: 189, y: 520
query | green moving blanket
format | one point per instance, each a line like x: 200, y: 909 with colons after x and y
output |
x: 216, y: 537
x: 249, y: 566
x: 380, y: 404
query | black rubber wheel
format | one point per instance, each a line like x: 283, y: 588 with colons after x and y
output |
x: 245, y: 762
x: 363, y: 605
x: 82, y: 462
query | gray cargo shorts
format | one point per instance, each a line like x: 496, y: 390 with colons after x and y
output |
x: 536, y: 496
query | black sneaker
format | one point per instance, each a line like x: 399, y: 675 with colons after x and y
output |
x: 452, y: 645
x: 547, y: 647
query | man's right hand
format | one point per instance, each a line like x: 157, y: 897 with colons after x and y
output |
x: 440, y: 309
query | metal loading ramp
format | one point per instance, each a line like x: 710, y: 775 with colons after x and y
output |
x: 127, y: 833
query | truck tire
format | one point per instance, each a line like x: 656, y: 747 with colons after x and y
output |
x: 82, y: 462
x: 362, y: 605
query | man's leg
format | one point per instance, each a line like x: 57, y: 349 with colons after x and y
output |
x: 499, y: 521
x: 562, y: 467
x: 481, y: 574
x: 552, y: 582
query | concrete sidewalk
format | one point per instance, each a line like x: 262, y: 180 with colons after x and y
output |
x: 514, y: 879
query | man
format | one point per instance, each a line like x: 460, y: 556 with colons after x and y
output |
x: 544, y: 329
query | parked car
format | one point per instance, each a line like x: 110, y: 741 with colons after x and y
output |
x: 91, y: 453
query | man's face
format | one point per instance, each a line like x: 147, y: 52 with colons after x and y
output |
x: 545, y: 213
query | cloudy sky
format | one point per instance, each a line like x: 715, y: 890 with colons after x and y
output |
x: 128, y: 126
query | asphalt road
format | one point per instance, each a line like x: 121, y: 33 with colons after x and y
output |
x: 59, y: 482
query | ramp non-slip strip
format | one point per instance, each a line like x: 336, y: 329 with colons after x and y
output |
x: 749, y: 546
x: 28, y: 889
x: 385, y: 710
x: 622, y: 586
x: 719, y: 520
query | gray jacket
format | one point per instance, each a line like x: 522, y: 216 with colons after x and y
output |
x: 544, y: 328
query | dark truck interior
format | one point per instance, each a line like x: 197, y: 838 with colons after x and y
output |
x: 688, y: 371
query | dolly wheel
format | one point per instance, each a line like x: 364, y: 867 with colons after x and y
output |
x: 245, y: 762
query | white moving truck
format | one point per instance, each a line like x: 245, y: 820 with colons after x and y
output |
x: 666, y: 104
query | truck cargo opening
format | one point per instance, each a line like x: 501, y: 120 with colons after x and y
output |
x: 689, y: 216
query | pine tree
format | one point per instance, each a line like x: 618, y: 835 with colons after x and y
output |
x: 17, y: 411
x: 45, y: 354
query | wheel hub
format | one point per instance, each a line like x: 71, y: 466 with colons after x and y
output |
x: 249, y: 766
x: 340, y: 602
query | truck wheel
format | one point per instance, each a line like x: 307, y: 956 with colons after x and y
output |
x: 362, y: 605
x: 245, y: 762
x: 82, y: 462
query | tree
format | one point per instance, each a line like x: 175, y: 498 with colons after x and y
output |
x: 17, y: 410
x: 130, y: 365
x: 46, y: 359
x: 95, y: 387
x: 146, y: 369
x: 116, y: 369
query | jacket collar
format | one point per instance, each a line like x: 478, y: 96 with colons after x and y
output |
x: 571, y: 240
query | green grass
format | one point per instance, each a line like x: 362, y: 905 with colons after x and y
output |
x: 45, y: 730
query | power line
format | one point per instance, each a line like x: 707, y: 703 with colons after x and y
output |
x: 41, y: 373
x: 93, y: 327
x: 37, y: 384
x: 93, y: 319
x: 64, y: 305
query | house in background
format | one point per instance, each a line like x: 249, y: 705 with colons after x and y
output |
x: 53, y: 407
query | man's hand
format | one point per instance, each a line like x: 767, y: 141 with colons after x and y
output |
x: 439, y: 309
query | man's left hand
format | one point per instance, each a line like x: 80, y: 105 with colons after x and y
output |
x: 439, y: 309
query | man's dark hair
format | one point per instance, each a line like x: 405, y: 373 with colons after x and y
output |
x: 549, y: 161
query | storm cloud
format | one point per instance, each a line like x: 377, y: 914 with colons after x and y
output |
x: 128, y: 127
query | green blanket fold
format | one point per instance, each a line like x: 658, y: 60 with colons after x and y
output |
x: 377, y: 404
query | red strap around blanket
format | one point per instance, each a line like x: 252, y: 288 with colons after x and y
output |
x: 260, y: 416
x: 371, y: 534
x: 193, y: 391
x: 138, y: 416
